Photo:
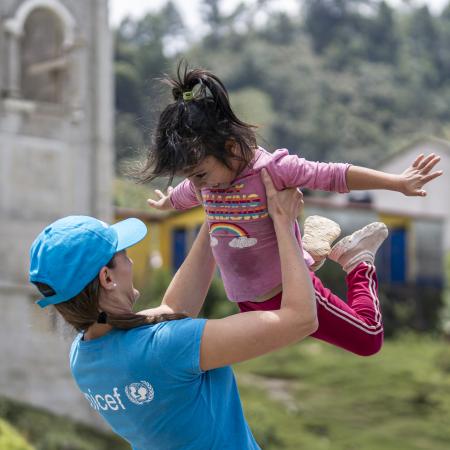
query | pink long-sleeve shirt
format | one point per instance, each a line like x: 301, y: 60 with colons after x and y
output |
x: 243, y: 238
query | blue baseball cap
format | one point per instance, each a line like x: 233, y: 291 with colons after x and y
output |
x: 69, y: 253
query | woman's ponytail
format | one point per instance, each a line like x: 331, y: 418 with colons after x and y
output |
x: 83, y: 310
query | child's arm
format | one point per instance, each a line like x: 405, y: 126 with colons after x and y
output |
x: 292, y: 171
x: 189, y: 286
x: 183, y: 196
x: 410, y: 182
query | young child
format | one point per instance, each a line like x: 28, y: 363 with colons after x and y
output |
x: 199, y: 136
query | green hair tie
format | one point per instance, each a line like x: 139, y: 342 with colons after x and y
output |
x: 188, y: 95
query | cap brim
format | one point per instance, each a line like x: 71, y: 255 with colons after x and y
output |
x: 129, y: 232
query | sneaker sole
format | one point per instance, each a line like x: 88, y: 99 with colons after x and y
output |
x: 349, y: 242
x: 319, y: 246
x: 322, y: 222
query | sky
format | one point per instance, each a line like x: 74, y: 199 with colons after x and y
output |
x: 190, y: 8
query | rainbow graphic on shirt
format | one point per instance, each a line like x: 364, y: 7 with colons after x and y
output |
x: 241, y: 237
x: 228, y: 227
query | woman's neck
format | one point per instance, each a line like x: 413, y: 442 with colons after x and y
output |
x: 97, y: 330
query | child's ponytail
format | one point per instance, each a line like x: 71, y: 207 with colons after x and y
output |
x: 200, y: 122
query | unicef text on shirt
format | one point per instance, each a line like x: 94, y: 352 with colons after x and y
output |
x: 139, y: 393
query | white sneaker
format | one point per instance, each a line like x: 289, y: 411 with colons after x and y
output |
x: 361, y: 246
x: 318, y: 235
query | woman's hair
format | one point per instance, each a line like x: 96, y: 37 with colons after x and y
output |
x: 197, y: 124
x: 83, y: 310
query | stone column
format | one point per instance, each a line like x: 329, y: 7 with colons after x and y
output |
x: 102, y: 112
x: 14, y: 64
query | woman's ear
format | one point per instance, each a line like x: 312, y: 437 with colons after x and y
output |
x: 105, y: 279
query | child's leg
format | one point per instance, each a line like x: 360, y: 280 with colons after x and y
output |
x: 356, y: 325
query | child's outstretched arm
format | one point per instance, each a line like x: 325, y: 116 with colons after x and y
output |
x: 410, y: 182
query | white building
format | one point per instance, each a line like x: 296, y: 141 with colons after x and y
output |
x: 56, y: 159
x: 419, y: 226
x: 437, y: 201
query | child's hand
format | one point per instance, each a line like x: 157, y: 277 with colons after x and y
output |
x: 418, y: 174
x: 163, y: 203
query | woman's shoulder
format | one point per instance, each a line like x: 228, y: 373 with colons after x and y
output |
x: 176, y: 344
x: 159, y: 334
x: 167, y: 328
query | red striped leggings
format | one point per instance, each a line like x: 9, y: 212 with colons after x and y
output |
x: 355, y: 326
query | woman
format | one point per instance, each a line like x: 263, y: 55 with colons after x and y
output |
x: 161, y: 378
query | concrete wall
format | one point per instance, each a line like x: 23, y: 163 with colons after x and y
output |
x: 55, y: 160
x: 34, y: 353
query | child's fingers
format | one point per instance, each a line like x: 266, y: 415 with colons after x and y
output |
x: 159, y: 193
x: 152, y: 203
x: 169, y: 190
x: 431, y: 176
x: 427, y: 168
x: 418, y: 160
x: 423, y: 163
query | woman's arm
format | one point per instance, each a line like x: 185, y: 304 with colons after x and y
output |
x: 247, y: 335
x: 410, y: 182
x: 188, y: 288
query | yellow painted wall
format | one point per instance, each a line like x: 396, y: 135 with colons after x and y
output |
x: 395, y: 221
x: 190, y: 220
x: 159, y: 241
x: 140, y: 254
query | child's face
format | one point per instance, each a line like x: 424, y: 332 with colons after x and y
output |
x: 211, y: 173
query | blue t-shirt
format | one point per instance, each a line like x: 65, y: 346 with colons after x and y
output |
x: 147, y: 384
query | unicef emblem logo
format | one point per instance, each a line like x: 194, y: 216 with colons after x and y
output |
x: 140, y: 392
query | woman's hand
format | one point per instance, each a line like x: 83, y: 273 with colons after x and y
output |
x: 418, y: 174
x: 163, y: 203
x: 282, y: 205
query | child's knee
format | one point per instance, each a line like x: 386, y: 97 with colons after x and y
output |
x: 372, y: 346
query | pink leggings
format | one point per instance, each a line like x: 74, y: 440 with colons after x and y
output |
x: 355, y: 326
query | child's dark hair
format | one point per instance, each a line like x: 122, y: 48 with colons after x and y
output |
x: 197, y: 124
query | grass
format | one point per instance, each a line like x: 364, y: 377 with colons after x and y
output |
x: 396, y: 400
x: 36, y: 429
x: 11, y: 439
